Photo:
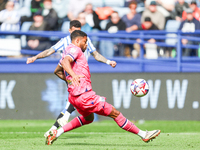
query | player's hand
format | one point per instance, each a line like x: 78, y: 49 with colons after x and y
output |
x: 30, y: 60
x: 113, y: 63
x: 76, y: 79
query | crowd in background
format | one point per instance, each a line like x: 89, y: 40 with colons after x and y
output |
x: 130, y: 15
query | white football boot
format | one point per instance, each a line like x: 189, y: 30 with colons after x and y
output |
x: 150, y: 135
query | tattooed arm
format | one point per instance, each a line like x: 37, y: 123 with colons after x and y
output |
x: 42, y: 54
x: 101, y: 58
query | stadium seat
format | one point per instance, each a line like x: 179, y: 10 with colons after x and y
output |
x: 113, y: 3
x: 97, y: 3
x: 61, y: 7
x: 65, y: 26
x: 24, y: 28
x: 172, y: 26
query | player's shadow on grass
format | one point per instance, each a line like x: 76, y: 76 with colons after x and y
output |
x: 91, y: 144
x: 71, y: 137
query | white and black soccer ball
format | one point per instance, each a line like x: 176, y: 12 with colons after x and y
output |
x: 139, y: 87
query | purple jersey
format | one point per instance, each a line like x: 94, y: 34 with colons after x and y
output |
x: 80, y: 67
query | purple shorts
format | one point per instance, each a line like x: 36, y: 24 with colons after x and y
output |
x: 89, y: 102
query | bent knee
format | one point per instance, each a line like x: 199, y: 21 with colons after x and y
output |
x: 114, y: 113
x: 89, y: 118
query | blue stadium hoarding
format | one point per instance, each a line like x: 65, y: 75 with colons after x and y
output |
x: 34, y: 92
x: 124, y: 65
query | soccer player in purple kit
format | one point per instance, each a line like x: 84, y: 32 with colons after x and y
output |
x: 76, y: 72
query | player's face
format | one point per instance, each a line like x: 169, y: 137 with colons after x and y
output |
x: 83, y: 43
x: 73, y: 28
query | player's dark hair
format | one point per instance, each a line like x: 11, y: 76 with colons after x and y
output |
x: 75, y: 23
x: 77, y: 33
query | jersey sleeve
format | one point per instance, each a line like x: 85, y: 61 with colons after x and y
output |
x: 90, y: 46
x: 59, y: 46
x: 72, y: 52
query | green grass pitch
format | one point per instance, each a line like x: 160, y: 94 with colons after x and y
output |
x: 104, y: 135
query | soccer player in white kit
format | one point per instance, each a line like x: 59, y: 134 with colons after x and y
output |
x: 60, y: 46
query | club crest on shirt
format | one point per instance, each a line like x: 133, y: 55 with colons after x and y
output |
x: 72, y: 50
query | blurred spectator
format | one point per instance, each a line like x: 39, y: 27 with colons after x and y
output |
x: 50, y: 15
x: 166, y: 7
x: 115, y: 23
x: 104, y: 12
x: 93, y: 20
x: 197, y: 1
x: 75, y: 7
x: 84, y: 25
x: 34, y: 7
x: 108, y: 48
x: 36, y: 42
x: 91, y: 17
x: 180, y: 6
x: 189, y: 25
x: 146, y: 25
x: 10, y: 18
x: 196, y: 11
x: 140, y: 5
x: 132, y: 19
x: 157, y: 17
x: 3, y: 4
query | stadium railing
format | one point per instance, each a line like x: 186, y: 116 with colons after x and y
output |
x: 178, y: 63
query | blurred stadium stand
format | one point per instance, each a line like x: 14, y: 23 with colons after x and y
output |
x: 141, y: 64
x: 24, y: 28
x: 172, y: 26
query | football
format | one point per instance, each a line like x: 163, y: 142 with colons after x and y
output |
x: 139, y: 87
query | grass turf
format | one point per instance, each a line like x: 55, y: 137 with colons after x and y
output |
x: 104, y: 135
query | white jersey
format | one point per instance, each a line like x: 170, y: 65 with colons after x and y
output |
x: 61, y: 45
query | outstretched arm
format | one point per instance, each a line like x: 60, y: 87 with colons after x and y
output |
x: 42, y: 54
x: 101, y: 58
